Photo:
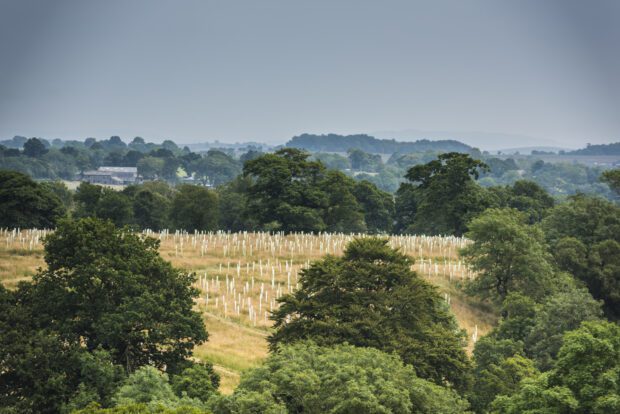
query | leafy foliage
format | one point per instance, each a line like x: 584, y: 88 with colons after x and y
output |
x: 26, y: 204
x: 584, y: 234
x: 585, y: 376
x: 442, y: 195
x: 341, y: 379
x: 508, y: 255
x: 289, y: 192
x: 105, y: 287
x: 612, y: 178
x: 370, y: 297
x: 194, y: 208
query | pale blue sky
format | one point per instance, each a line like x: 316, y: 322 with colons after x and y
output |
x: 266, y: 70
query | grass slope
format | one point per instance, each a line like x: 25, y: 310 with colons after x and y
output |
x: 240, y: 276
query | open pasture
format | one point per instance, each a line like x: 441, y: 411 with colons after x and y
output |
x: 241, y: 275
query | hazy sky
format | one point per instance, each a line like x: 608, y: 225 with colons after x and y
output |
x: 267, y: 70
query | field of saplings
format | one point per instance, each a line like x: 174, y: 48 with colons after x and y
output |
x: 241, y: 276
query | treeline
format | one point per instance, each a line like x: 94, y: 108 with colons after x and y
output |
x: 67, y: 159
x: 286, y: 191
x: 556, y: 283
x: 276, y: 192
x: 367, y: 143
x: 558, y: 178
x: 168, y: 162
x: 597, y: 149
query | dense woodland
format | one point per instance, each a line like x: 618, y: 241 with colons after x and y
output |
x: 358, y: 156
x: 108, y: 326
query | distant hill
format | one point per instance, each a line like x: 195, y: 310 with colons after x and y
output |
x: 599, y: 149
x: 486, y: 141
x: 367, y: 143
x: 533, y: 150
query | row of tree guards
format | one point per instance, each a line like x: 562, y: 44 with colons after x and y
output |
x: 242, y: 275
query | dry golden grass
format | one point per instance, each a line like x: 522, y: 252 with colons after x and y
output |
x: 241, y: 274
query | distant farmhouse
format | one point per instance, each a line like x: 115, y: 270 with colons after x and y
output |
x: 111, y: 176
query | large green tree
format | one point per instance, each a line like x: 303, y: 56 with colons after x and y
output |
x: 378, y: 207
x: 106, y: 287
x: 194, y: 208
x: 285, y: 194
x: 344, y: 214
x: 612, y: 178
x: 216, y: 168
x: 26, y: 204
x: 150, y: 210
x: 370, y: 297
x: 508, y: 255
x: 40, y: 372
x: 306, y: 378
x: 35, y: 148
x: 445, y: 195
x: 585, y: 377
x: 584, y: 234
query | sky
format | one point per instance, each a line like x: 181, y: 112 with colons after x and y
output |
x: 233, y: 71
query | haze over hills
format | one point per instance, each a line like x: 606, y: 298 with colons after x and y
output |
x: 489, y: 141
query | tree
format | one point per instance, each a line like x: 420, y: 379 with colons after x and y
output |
x: 285, y: 194
x: 378, y: 207
x: 61, y: 191
x: 99, y: 378
x: 115, y: 206
x: 343, y: 214
x: 194, y: 208
x: 370, y: 297
x: 105, y: 287
x: 446, y: 194
x: 150, y: 210
x: 530, y: 198
x: 217, y: 168
x: 34, y: 148
x: 502, y: 378
x: 612, y: 179
x: 143, y: 386
x: 508, y: 256
x: 196, y: 381
x: 26, y: 204
x: 535, y: 395
x: 307, y: 378
x: 589, y: 365
x: 151, y: 168
x: 233, y: 200
x: 87, y: 198
x: 362, y: 161
x: 34, y: 364
x: 584, y: 235
x: 559, y: 313
x: 585, y: 377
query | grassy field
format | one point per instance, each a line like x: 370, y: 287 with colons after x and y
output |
x: 241, y: 275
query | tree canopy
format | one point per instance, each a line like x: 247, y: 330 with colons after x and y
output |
x: 105, y: 287
x: 307, y: 378
x: 441, y: 195
x: 26, y: 204
x: 369, y: 297
x: 508, y: 255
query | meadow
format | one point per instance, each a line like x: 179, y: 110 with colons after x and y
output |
x: 241, y: 275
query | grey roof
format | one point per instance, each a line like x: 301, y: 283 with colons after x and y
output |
x: 120, y: 169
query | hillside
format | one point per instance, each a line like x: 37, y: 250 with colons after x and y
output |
x: 241, y: 275
x: 599, y: 149
x: 367, y: 143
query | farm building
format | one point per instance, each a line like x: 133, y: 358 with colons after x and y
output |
x: 111, y: 175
